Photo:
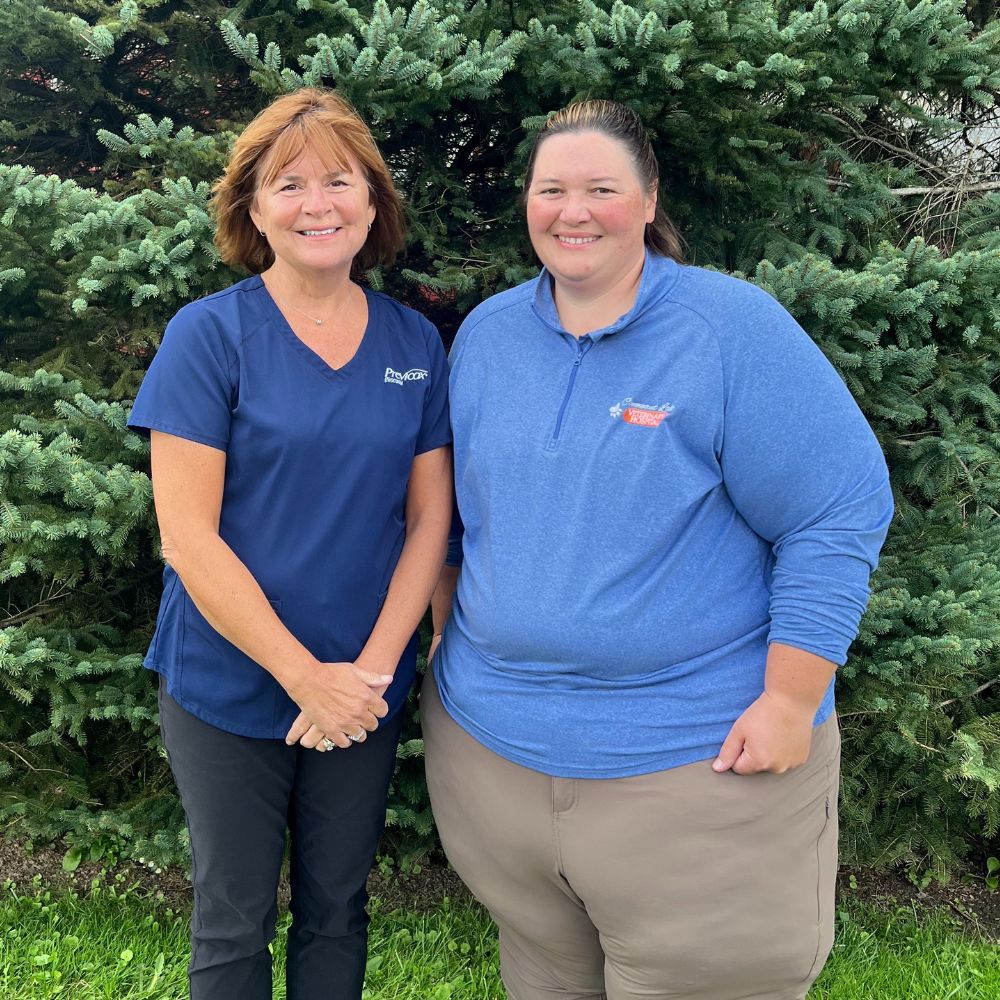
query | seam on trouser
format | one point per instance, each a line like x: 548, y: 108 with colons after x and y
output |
x: 197, y: 923
x: 831, y: 772
x: 819, y: 902
x: 555, y: 790
x: 556, y: 844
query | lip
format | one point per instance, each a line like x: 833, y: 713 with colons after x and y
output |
x: 563, y: 239
x: 321, y: 235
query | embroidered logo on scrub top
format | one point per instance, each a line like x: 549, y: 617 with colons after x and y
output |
x: 641, y: 414
x: 398, y: 378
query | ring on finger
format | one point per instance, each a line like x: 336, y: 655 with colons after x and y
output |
x: 358, y: 736
x: 327, y: 744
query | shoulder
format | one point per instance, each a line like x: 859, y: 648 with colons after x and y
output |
x: 722, y: 298
x: 500, y: 307
x: 405, y: 321
x: 742, y: 316
x: 504, y: 310
x: 225, y: 317
x: 243, y: 293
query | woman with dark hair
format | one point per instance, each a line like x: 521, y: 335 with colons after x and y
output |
x: 671, y: 508
x: 301, y: 475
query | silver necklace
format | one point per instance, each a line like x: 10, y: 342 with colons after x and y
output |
x: 318, y: 322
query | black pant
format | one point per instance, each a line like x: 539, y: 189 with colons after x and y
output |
x: 240, y: 795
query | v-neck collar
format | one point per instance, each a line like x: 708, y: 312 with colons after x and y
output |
x: 306, y: 352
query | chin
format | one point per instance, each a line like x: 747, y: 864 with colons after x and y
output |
x: 572, y: 274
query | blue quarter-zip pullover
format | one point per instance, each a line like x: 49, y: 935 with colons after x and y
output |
x: 645, y: 509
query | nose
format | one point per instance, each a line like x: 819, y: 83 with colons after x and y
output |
x: 574, y: 209
x: 315, y: 200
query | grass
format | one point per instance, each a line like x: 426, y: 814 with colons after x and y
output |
x: 115, y: 944
x: 906, y: 954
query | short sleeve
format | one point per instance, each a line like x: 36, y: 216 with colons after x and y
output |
x: 435, y: 428
x: 190, y: 388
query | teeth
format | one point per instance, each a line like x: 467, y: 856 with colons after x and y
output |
x: 578, y: 240
x: 318, y: 232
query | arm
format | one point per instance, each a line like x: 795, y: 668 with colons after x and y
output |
x: 804, y: 470
x: 444, y: 593
x: 441, y: 599
x: 428, y: 516
x: 775, y: 732
x: 187, y: 491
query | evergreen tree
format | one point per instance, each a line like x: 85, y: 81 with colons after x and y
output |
x: 842, y: 155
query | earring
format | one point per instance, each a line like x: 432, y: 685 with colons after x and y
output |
x: 369, y: 227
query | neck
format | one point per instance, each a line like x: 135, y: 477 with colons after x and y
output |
x: 583, y: 309
x: 317, y: 292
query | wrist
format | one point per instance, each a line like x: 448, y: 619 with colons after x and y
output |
x: 296, y: 677
x: 374, y: 664
x: 795, y: 703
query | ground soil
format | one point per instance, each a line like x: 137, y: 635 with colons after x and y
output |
x: 967, y: 899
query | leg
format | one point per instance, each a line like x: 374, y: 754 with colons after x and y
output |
x: 710, y: 886
x: 337, y: 817
x: 235, y: 794
x: 496, y: 822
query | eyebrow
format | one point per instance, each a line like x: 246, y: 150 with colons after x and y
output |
x: 298, y: 177
x: 558, y: 180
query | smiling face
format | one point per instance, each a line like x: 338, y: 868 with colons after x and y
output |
x: 587, y: 210
x: 315, y: 214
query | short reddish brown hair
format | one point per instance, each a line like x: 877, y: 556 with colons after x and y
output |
x: 327, y: 124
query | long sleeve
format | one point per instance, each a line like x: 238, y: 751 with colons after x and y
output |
x: 805, y: 471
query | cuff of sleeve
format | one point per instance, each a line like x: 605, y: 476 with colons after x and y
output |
x: 834, y: 653
x: 143, y: 425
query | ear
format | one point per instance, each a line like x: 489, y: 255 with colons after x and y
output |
x: 371, y: 212
x: 651, y: 205
x: 255, y: 216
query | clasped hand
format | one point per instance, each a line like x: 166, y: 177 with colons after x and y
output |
x: 338, y: 701
x: 774, y: 734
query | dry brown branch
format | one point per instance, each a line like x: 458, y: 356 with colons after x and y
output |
x: 979, y: 690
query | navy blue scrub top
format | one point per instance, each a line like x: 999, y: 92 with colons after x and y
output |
x: 317, y: 464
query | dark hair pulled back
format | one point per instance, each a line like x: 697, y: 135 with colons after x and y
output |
x: 621, y: 123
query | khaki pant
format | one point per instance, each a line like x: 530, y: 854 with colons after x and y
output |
x: 677, y: 884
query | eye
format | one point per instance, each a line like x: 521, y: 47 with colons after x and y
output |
x: 549, y: 190
x: 289, y: 187
x: 337, y: 182
x: 603, y: 190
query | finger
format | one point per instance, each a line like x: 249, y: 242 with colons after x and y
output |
x: 373, y: 680
x: 337, y: 741
x: 311, y: 737
x: 745, y: 764
x: 729, y: 752
x: 358, y: 737
x: 378, y: 708
x: 299, y: 728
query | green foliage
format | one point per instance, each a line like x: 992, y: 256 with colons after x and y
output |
x: 76, y: 536
x: 842, y: 155
x: 72, y: 67
x: 115, y: 942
